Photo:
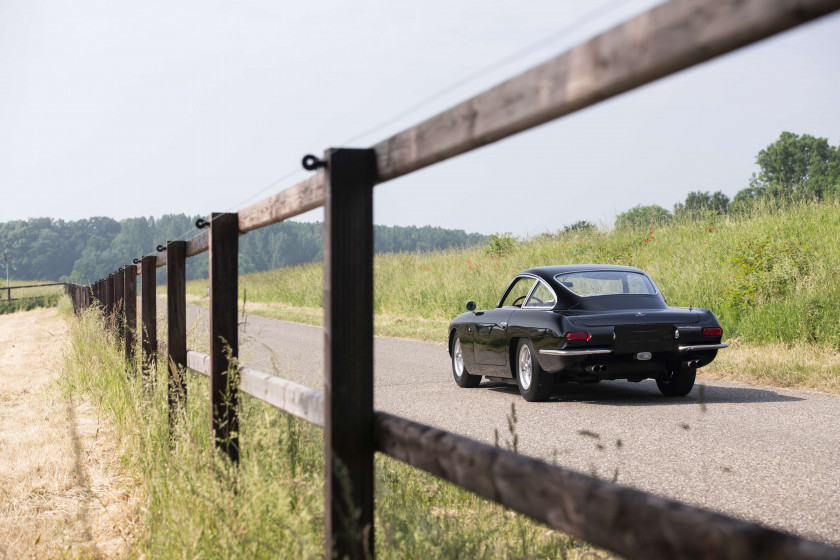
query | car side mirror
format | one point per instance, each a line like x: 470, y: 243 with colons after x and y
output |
x: 470, y: 306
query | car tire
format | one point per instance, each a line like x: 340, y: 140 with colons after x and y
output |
x: 534, y: 383
x: 677, y: 382
x: 459, y: 371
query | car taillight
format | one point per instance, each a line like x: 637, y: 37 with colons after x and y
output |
x: 578, y: 336
x: 712, y: 331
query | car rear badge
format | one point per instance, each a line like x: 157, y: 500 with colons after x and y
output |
x: 643, y: 356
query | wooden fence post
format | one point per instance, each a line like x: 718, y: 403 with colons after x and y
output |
x: 176, y: 321
x: 130, y: 291
x: 348, y: 346
x: 224, y: 333
x: 119, y: 304
x: 148, y: 304
x: 109, y: 301
x: 70, y: 290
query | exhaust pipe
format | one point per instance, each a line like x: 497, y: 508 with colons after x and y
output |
x: 693, y: 363
x: 596, y: 368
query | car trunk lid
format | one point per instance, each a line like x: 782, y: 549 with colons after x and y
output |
x: 640, y: 317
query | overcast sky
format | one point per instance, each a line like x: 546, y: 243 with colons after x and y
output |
x: 144, y: 108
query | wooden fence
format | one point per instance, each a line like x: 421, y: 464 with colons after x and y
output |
x: 664, y: 40
x: 8, y: 289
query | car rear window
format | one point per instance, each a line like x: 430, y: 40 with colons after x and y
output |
x: 606, y: 282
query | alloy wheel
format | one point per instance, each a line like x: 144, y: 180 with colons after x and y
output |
x: 525, y: 367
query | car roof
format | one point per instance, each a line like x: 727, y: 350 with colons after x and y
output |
x: 549, y: 272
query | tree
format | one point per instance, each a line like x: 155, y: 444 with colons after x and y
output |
x: 641, y: 217
x: 579, y: 226
x: 745, y: 199
x: 85, y: 250
x: 797, y: 167
x: 699, y: 202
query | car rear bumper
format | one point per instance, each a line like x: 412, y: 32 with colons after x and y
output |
x: 576, y: 352
x: 694, y: 347
x: 607, y: 364
x: 591, y: 351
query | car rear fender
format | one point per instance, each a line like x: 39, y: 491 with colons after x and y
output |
x: 512, y: 347
x: 547, y: 363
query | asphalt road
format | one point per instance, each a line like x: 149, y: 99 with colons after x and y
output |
x: 760, y: 453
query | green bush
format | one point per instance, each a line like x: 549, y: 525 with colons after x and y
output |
x: 643, y: 217
x: 500, y: 244
x: 764, y: 268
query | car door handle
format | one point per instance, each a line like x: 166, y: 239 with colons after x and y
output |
x: 504, y: 325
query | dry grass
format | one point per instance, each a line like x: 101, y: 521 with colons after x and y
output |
x: 801, y: 366
x: 192, y: 509
x: 62, y: 490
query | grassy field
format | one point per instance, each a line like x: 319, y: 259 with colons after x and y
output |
x: 28, y: 298
x: 194, y: 505
x: 772, y: 278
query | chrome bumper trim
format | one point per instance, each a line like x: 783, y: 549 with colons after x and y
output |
x: 703, y: 347
x: 581, y: 352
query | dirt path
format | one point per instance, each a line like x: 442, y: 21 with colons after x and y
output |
x: 62, y: 491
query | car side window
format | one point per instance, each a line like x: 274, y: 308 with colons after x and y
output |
x: 542, y: 297
x: 518, y: 292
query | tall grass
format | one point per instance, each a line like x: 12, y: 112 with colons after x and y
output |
x: 772, y: 276
x: 28, y: 303
x: 196, y: 505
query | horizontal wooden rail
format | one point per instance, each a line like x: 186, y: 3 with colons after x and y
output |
x: 302, y: 197
x: 288, y: 396
x: 298, y: 400
x: 198, y: 244
x: 198, y: 362
x: 36, y: 286
x: 622, y: 519
x: 670, y: 37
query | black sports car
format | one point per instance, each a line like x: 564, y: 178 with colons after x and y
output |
x: 582, y: 323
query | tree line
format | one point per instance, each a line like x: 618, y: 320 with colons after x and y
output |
x: 85, y: 250
x: 794, y: 168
